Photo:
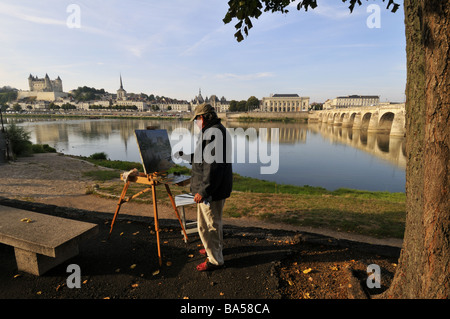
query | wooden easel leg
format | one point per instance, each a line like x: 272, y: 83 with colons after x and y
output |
x: 155, y: 212
x: 176, y: 210
x: 121, y: 200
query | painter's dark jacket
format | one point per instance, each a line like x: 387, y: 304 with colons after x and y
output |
x: 213, y: 181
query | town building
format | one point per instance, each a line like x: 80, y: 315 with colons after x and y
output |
x: 220, y: 105
x: 351, y: 101
x: 122, y: 99
x: 121, y: 93
x: 284, y: 103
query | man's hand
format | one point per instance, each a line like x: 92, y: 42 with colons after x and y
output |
x: 198, y: 198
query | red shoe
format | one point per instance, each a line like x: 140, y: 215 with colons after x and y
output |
x: 207, y: 266
x: 202, y: 251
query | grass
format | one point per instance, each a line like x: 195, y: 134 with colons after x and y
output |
x: 377, y: 214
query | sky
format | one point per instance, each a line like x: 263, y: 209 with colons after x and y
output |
x: 174, y: 48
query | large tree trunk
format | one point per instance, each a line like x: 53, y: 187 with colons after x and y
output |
x: 424, y: 264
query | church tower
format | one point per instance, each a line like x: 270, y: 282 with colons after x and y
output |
x: 121, y: 93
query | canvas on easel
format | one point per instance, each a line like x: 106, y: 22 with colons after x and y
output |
x: 156, y: 155
x: 155, y: 150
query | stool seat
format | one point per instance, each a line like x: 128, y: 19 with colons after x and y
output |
x: 181, y: 201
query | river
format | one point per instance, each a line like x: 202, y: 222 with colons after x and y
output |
x: 298, y: 154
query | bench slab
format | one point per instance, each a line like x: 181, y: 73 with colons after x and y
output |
x: 44, y: 242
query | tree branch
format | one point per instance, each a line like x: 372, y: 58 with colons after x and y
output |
x: 245, y: 10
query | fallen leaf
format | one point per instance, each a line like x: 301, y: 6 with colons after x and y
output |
x: 134, y: 234
x: 17, y: 276
x: 185, y: 297
x: 169, y: 263
x: 307, y: 270
x: 39, y: 293
x: 333, y: 268
x: 221, y: 294
x: 155, y: 272
x: 135, y: 285
x: 85, y: 282
x: 133, y: 266
x: 290, y: 283
x: 190, y: 255
x: 121, y: 234
x: 117, y: 270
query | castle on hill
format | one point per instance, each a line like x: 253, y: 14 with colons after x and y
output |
x: 43, y: 89
x: 45, y: 84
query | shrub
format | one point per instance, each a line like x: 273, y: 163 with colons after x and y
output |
x: 37, y: 148
x: 42, y: 148
x: 20, y: 140
x: 99, y: 156
x: 48, y: 148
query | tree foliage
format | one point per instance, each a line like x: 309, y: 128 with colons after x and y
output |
x: 87, y: 94
x: 245, y: 10
x: 19, y: 139
x: 7, y: 94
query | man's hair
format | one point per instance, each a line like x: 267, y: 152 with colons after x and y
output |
x: 209, y: 116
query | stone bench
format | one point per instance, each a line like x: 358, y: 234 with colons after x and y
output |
x: 41, y: 241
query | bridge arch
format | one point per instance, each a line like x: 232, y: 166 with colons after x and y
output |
x: 385, y: 122
x: 365, y: 120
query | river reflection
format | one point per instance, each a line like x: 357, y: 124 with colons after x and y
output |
x: 309, y: 154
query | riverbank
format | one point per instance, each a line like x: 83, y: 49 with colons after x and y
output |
x: 357, y: 212
x: 284, y: 117
x: 375, y: 217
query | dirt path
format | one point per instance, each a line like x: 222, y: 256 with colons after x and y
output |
x: 58, y: 180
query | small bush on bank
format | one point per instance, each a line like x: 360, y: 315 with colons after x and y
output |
x: 99, y: 156
x: 42, y: 148
x: 20, y: 140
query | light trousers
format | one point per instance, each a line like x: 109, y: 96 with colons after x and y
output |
x: 210, y: 229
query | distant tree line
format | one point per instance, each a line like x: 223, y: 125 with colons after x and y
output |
x: 87, y: 94
x: 7, y: 94
x: 113, y: 107
x: 316, y: 106
x: 244, y: 106
x: 65, y: 106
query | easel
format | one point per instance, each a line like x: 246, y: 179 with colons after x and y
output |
x: 153, y: 180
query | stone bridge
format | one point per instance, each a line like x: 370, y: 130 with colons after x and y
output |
x: 378, y: 119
